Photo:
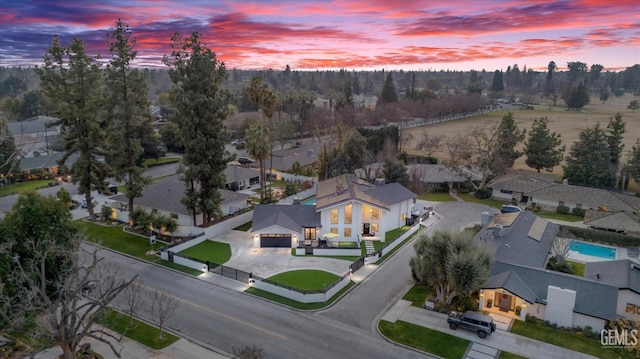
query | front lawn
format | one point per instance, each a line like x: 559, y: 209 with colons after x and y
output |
x: 305, y: 279
x: 212, y: 251
x: 489, y: 202
x: 560, y: 217
x: 417, y: 295
x: 22, y: 187
x: 567, y: 340
x: 428, y: 340
x: 245, y: 227
x: 436, y: 197
x: 114, y: 237
x: 507, y: 355
x: 395, y: 233
x: 141, y: 332
x: 292, y: 303
x: 153, y: 162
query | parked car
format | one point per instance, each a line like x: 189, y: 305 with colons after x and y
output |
x: 84, y: 202
x: 510, y: 209
x: 482, y: 324
x: 245, y: 160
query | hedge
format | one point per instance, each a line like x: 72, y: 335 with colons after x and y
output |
x: 600, y: 236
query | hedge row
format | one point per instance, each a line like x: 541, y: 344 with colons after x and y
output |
x: 600, y: 236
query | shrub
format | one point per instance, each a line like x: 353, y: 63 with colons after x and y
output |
x: 562, y: 210
x: 518, y: 309
x: 482, y: 193
x: 105, y: 213
x: 578, y: 212
x: 594, y: 235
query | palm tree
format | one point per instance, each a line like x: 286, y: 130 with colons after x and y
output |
x: 258, y: 143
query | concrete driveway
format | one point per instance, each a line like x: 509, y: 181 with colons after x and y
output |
x: 266, y: 262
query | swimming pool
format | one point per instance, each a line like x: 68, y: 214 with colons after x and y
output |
x: 593, y: 250
x: 311, y: 200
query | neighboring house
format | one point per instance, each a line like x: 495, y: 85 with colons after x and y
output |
x: 521, y: 243
x: 349, y: 208
x: 240, y: 177
x: 47, y: 162
x: 620, y: 222
x: 431, y: 175
x: 165, y: 196
x: 624, y: 275
x: 34, y: 134
x: 307, y: 155
x: 548, y: 195
x: 364, y: 101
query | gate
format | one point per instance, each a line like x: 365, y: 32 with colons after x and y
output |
x: 229, y: 272
x: 356, y: 265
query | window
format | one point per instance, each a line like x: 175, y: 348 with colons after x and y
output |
x: 334, y: 230
x: 375, y: 213
x: 506, y: 191
x: 561, y: 203
x: 403, y: 217
x: 174, y: 215
x: 374, y: 227
x: 631, y: 308
x: 347, y: 232
x: 310, y: 233
x: 334, y: 216
x: 579, y: 206
x: 347, y: 214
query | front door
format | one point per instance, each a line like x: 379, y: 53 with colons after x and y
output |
x: 366, y: 228
x: 505, y: 302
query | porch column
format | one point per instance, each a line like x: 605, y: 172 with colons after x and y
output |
x: 523, y: 311
x: 481, y: 301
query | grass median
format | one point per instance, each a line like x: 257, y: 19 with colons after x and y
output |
x: 428, y: 340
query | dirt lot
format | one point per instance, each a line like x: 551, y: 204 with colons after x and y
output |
x: 567, y: 123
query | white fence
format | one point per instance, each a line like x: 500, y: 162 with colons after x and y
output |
x: 302, y: 195
x: 300, y: 297
x: 228, y: 224
x: 185, y: 261
x: 354, y: 252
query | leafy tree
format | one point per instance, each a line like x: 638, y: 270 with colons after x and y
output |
x: 631, y: 78
x: 12, y: 86
x: 388, y: 94
x: 633, y: 105
x: 595, y: 72
x: 452, y: 263
x: 543, y: 148
x: 498, y: 83
x: 258, y: 142
x: 9, y: 154
x: 633, y: 162
x: 588, y: 160
x: 395, y: 171
x: 616, y: 129
x: 170, y: 135
x: 551, y: 69
x: 509, y: 136
x: 201, y: 107
x: 128, y: 108
x: 577, y: 97
x: 605, y: 94
x: 32, y: 104
x: 64, y: 196
x: 73, y: 82
x: 576, y: 70
x: 475, y: 83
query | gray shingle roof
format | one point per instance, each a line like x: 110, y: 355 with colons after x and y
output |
x: 46, y: 161
x: 515, y: 245
x: 586, y: 196
x: 618, y: 221
x: 239, y: 173
x: 622, y: 274
x: 512, y: 282
x: 592, y: 298
x: 347, y: 187
x: 518, y: 185
x: 32, y: 125
x: 290, y: 216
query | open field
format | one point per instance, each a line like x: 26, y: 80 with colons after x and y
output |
x: 567, y: 123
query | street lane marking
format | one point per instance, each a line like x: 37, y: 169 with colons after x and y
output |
x: 226, y: 316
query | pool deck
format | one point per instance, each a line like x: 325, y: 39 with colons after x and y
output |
x: 621, y: 253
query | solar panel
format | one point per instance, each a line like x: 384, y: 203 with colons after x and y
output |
x: 537, y: 228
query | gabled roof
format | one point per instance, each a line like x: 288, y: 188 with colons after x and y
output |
x: 167, y: 193
x: 516, y: 245
x: 592, y: 298
x: 526, y: 175
x: 283, y: 160
x: 617, y: 221
x: 46, y: 161
x: 518, y: 185
x: 290, y: 216
x: 512, y: 282
x: 622, y: 274
x: 588, y: 197
x: 347, y: 187
x: 239, y: 173
x: 36, y: 124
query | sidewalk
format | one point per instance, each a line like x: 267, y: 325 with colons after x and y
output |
x: 500, y: 340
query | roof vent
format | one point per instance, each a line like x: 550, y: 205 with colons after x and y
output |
x: 379, y: 181
x: 297, y: 200
x: 597, y: 275
x: 497, y: 231
x: 635, y: 266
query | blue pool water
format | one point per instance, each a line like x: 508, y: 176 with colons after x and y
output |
x: 593, y: 250
x: 311, y: 200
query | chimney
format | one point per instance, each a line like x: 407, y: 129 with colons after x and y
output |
x: 484, y: 219
x: 297, y: 200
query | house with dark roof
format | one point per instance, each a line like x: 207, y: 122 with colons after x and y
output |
x: 625, y: 276
x: 165, y: 196
x: 519, y: 283
x: 430, y: 175
x: 620, y: 222
x: 35, y: 134
x: 349, y: 209
x: 240, y: 177
x: 306, y: 154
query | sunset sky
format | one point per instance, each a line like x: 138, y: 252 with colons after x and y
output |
x: 355, y: 35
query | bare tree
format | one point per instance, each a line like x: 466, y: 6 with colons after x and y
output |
x: 133, y: 299
x: 560, y: 248
x: 9, y: 153
x: 163, y: 307
x: 429, y: 143
x: 472, y: 153
x: 67, y: 315
x: 249, y: 352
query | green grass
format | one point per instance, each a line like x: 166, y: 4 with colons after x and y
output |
x: 22, y: 187
x: 507, y: 355
x: 113, y: 237
x: 417, y: 295
x: 151, y: 162
x: 436, y: 197
x: 305, y: 279
x: 390, y: 253
x: 212, y: 251
x: 578, y: 268
x: 292, y: 303
x: 566, y: 340
x: 245, y: 227
x: 489, y: 202
x: 395, y: 233
x: 560, y: 217
x: 142, y: 332
x: 428, y: 340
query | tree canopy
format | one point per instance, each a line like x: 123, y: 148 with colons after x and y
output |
x: 543, y: 148
x: 388, y: 94
x: 588, y: 160
x: 509, y: 136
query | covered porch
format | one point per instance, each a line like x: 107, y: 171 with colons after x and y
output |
x: 504, y: 303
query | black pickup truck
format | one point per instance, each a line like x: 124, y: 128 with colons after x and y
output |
x: 479, y: 323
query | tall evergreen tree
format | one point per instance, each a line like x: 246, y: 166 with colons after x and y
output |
x: 509, y: 136
x: 72, y: 81
x: 616, y: 129
x: 128, y: 109
x: 633, y: 162
x: 498, y: 84
x: 543, y: 148
x: 201, y: 107
x: 588, y: 160
x: 388, y: 94
x: 577, y: 96
x: 9, y: 154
